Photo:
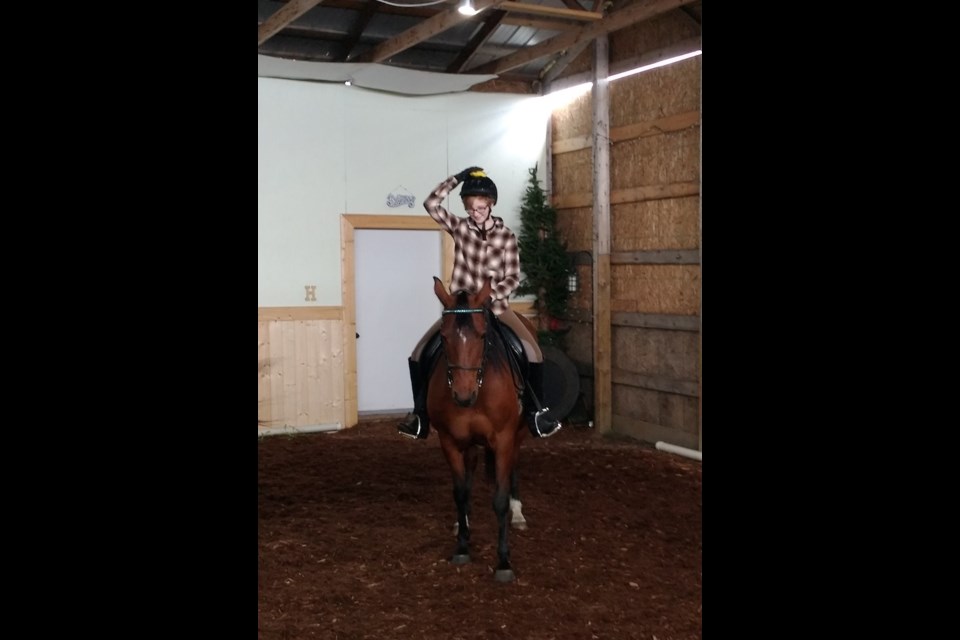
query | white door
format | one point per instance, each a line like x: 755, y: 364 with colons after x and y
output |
x: 395, y: 306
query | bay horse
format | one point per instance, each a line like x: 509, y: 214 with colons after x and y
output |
x: 474, y: 401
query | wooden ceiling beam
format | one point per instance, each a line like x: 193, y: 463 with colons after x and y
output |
x: 570, y: 14
x: 553, y: 71
x: 490, y: 24
x: 625, y: 17
x: 443, y: 21
x: 284, y: 16
x: 517, y: 20
x: 423, y: 31
x: 687, y: 11
x: 363, y: 21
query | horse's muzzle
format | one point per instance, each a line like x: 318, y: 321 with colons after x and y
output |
x: 464, y: 399
x: 465, y: 402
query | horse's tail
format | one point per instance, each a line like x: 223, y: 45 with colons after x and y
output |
x: 490, y: 465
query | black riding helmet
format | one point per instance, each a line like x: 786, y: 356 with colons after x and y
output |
x: 478, y: 184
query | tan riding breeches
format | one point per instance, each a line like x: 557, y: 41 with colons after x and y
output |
x: 509, y: 318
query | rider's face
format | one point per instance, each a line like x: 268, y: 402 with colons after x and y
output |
x: 478, y: 208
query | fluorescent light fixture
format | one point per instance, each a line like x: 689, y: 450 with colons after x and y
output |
x: 466, y: 8
x: 647, y: 67
x: 563, y: 97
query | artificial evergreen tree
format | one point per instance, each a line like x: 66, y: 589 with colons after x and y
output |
x: 544, y: 261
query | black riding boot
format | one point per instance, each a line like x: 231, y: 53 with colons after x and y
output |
x: 416, y: 425
x: 541, y: 424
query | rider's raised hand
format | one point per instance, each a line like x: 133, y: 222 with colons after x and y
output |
x: 463, y: 175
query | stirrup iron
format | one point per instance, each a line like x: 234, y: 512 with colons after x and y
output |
x: 536, y: 424
x: 414, y: 436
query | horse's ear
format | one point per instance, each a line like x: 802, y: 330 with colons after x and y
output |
x: 445, y: 298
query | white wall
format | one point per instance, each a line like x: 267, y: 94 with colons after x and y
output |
x: 301, y: 191
x: 327, y: 149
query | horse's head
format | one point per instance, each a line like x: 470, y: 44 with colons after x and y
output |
x: 463, y: 333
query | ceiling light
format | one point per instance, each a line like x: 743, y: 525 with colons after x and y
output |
x: 466, y: 8
x: 661, y: 63
x: 562, y: 97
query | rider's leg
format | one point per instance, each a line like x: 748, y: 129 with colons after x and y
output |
x: 539, y: 420
x: 542, y: 424
x: 416, y: 423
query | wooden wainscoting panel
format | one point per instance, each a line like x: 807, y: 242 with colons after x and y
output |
x: 300, y: 372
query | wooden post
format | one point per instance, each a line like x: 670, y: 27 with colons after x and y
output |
x: 602, y: 339
x: 348, y: 293
x: 700, y: 252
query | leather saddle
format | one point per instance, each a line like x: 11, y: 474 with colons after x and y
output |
x: 433, y: 348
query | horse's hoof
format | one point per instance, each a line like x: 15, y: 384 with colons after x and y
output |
x: 504, y: 575
x: 519, y: 524
x: 460, y: 558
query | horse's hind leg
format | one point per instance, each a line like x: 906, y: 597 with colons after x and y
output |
x: 517, y: 521
x: 501, y: 503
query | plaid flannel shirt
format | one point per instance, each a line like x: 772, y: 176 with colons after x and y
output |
x: 478, y: 255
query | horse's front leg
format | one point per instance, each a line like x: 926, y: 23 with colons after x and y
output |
x: 462, y: 465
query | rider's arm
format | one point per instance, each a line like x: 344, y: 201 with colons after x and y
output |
x: 511, y: 270
x: 432, y: 204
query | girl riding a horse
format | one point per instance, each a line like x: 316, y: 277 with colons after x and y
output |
x: 484, y: 249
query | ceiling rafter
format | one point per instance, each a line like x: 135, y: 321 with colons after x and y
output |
x: 572, y: 14
x: 690, y: 14
x: 490, y: 24
x: 521, y: 42
x: 443, y: 21
x: 613, y: 22
x: 366, y: 15
x: 284, y: 16
x: 517, y: 20
x: 553, y: 71
x: 423, y: 31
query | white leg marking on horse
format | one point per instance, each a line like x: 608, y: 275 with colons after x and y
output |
x: 517, y: 521
x: 456, y: 526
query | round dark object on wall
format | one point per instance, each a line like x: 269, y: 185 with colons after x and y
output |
x: 561, y: 382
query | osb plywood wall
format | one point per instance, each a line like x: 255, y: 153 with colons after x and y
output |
x: 300, y: 363
x: 655, y: 234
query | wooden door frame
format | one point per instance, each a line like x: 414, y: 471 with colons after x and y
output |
x: 349, y: 222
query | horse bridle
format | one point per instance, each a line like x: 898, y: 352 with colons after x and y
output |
x: 479, y: 369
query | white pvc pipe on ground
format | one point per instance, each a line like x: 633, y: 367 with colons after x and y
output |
x: 288, y: 430
x: 682, y: 451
